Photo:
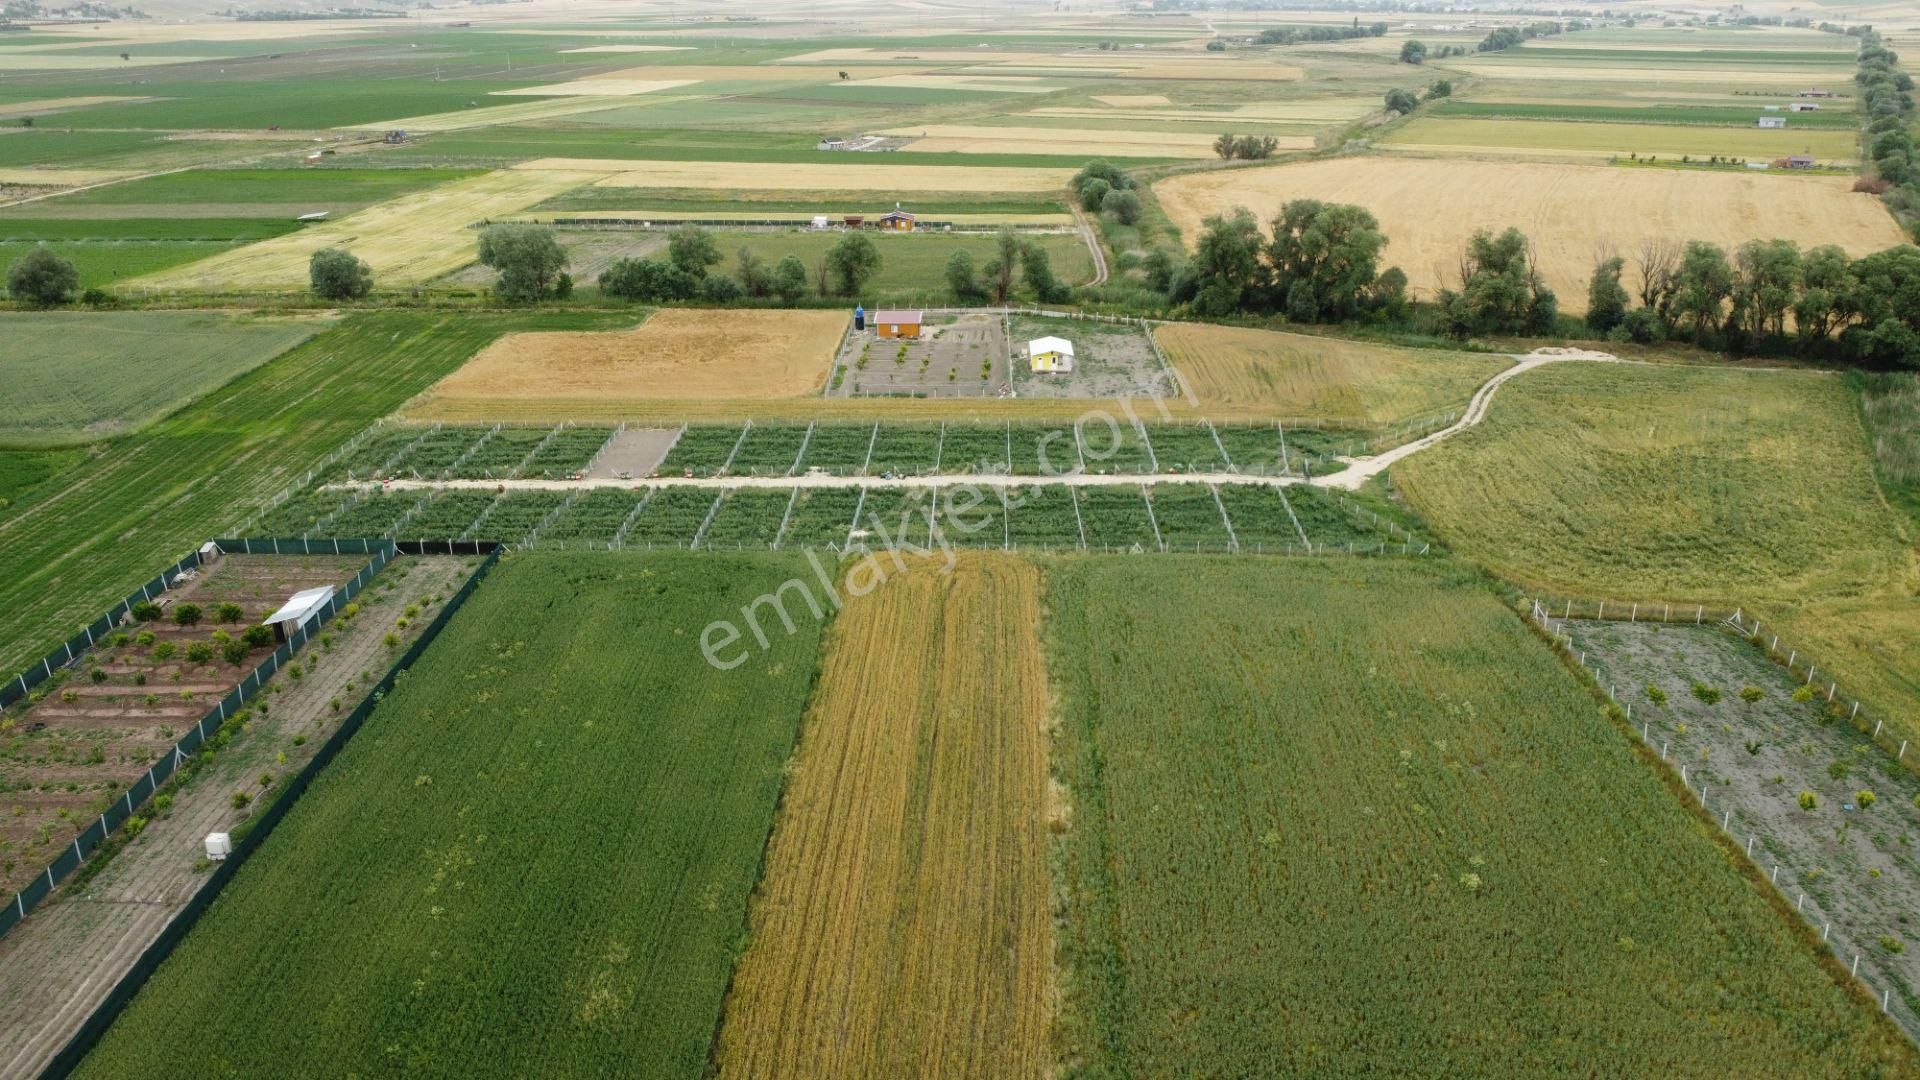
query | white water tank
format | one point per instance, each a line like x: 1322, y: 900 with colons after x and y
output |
x: 219, y: 846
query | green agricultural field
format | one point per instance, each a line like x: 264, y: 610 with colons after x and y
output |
x: 1622, y: 140
x: 1709, y: 115
x: 534, y: 859
x: 1299, y: 867
x: 236, y: 190
x: 913, y: 265
x: 74, y: 376
x: 1685, y: 483
x: 104, y: 264
x: 146, y: 499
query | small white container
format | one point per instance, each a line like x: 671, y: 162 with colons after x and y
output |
x: 219, y: 846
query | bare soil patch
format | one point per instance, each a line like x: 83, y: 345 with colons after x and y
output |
x: 635, y: 451
x: 956, y: 356
x: 1854, y: 861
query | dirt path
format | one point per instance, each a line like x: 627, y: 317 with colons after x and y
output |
x: 61, y: 962
x: 1093, y: 247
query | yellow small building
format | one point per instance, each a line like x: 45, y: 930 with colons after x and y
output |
x: 1050, y: 355
x: 892, y: 323
x: 896, y: 221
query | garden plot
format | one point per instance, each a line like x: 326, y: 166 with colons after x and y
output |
x: 1044, y: 516
x: 906, y: 449
x: 566, y: 454
x: 1186, y: 448
x: 373, y: 514
x: 957, y: 356
x: 1189, y: 518
x: 504, y: 453
x: 1117, y: 518
x: 747, y: 518
x: 703, y: 449
x: 446, y: 515
x: 1111, y: 360
x: 65, y: 959
x: 593, y: 519
x: 671, y: 518
x: 75, y: 744
x: 433, y: 455
x: 840, y: 449
x: 976, y: 448
x: 514, y: 517
x: 769, y: 450
x: 1262, y: 518
x: 820, y: 517
x: 1836, y: 813
x: 377, y: 454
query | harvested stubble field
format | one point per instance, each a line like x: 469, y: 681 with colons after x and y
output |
x: 903, y: 927
x: 677, y: 354
x: 1293, y: 375
x: 407, y: 240
x: 1557, y: 138
x: 1292, y: 868
x: 593, y: 818
x: 1703, y: 484
x: 1083, y: 142
x: 1429, y: 208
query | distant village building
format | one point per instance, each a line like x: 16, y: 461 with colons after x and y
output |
x: 1050, y: 355
x: 1800, y: 161
x: 897, y: 220
x: 1817, y: 93
x: 897, y: 323
x: 1804, y: 106
x: 1773, y: 121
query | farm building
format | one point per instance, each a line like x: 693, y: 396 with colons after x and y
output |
x: 1804, y: 106
x: 1773, y: 121
x: 897, y: 323
x: 1815, y: 93
x: 1049, y: 355
x: 898, y: 220
x: 301, y: 608
x: 1800, y: 161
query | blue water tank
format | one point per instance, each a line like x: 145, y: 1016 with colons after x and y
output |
x: 859, y: 317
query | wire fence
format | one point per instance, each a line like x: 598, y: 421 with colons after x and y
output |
x: 75, y: 853
x: 246, y: 842
x: 1554, y: 625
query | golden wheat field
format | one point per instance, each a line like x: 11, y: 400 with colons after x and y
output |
x: 678, y: 353
x: 903, y: 925
x: 1235, y: 370
x: 407, y: 240
x: 1429, y: 209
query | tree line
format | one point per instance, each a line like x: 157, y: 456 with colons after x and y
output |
x: 1886, y: 98
x: 1321, y: 262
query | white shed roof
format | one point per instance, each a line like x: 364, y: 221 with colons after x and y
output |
x: 302, y: 605
x: 1050, y: 344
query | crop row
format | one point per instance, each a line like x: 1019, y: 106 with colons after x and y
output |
x: 472, y: 453
x: 1110, y: 446
x: 1174, y: 517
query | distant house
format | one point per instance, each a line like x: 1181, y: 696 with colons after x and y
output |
x: 897, y: 220
x: 1815, y: 93
x: 897, y: 323
x: 854, y: 221
x: 1050, y: 355
x: 832, y: 143
x: 1800, y: 161
x: 1773, y: 121
x: 1804, y: 106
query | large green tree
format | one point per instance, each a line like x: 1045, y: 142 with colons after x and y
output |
x: 531, y: 262
x: 1323, y: 258
x: 1701, y: 286
x: 1501, y: 291
x: 40, y: 277
x: 335, y: 274
x: 1766, y: 280
x: 1606, y: 297
x: 853, y: 261
x: 1226, y: 263
x: 692, y: 249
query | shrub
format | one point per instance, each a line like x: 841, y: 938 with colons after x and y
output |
x: 42, y: 278
x: 1892, y: 944
x: 1751, y: 694
x: 336, y: 274
x: 144, y: 638
x: 1803, y: 694
x: 1839, y: 769
x: 187, y: 614
x: 98, y: 675
x: 146, y: 611
x: 1656, y: 695
x: 164, y: 650
x: 1808, y: 801
x: 234, y: 652
x: 240, y: 800
x: 229, y: 612
x: 199, y: 652
x: 257, y: 636
x: 1708, y: 694
x: 1863, y: 799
